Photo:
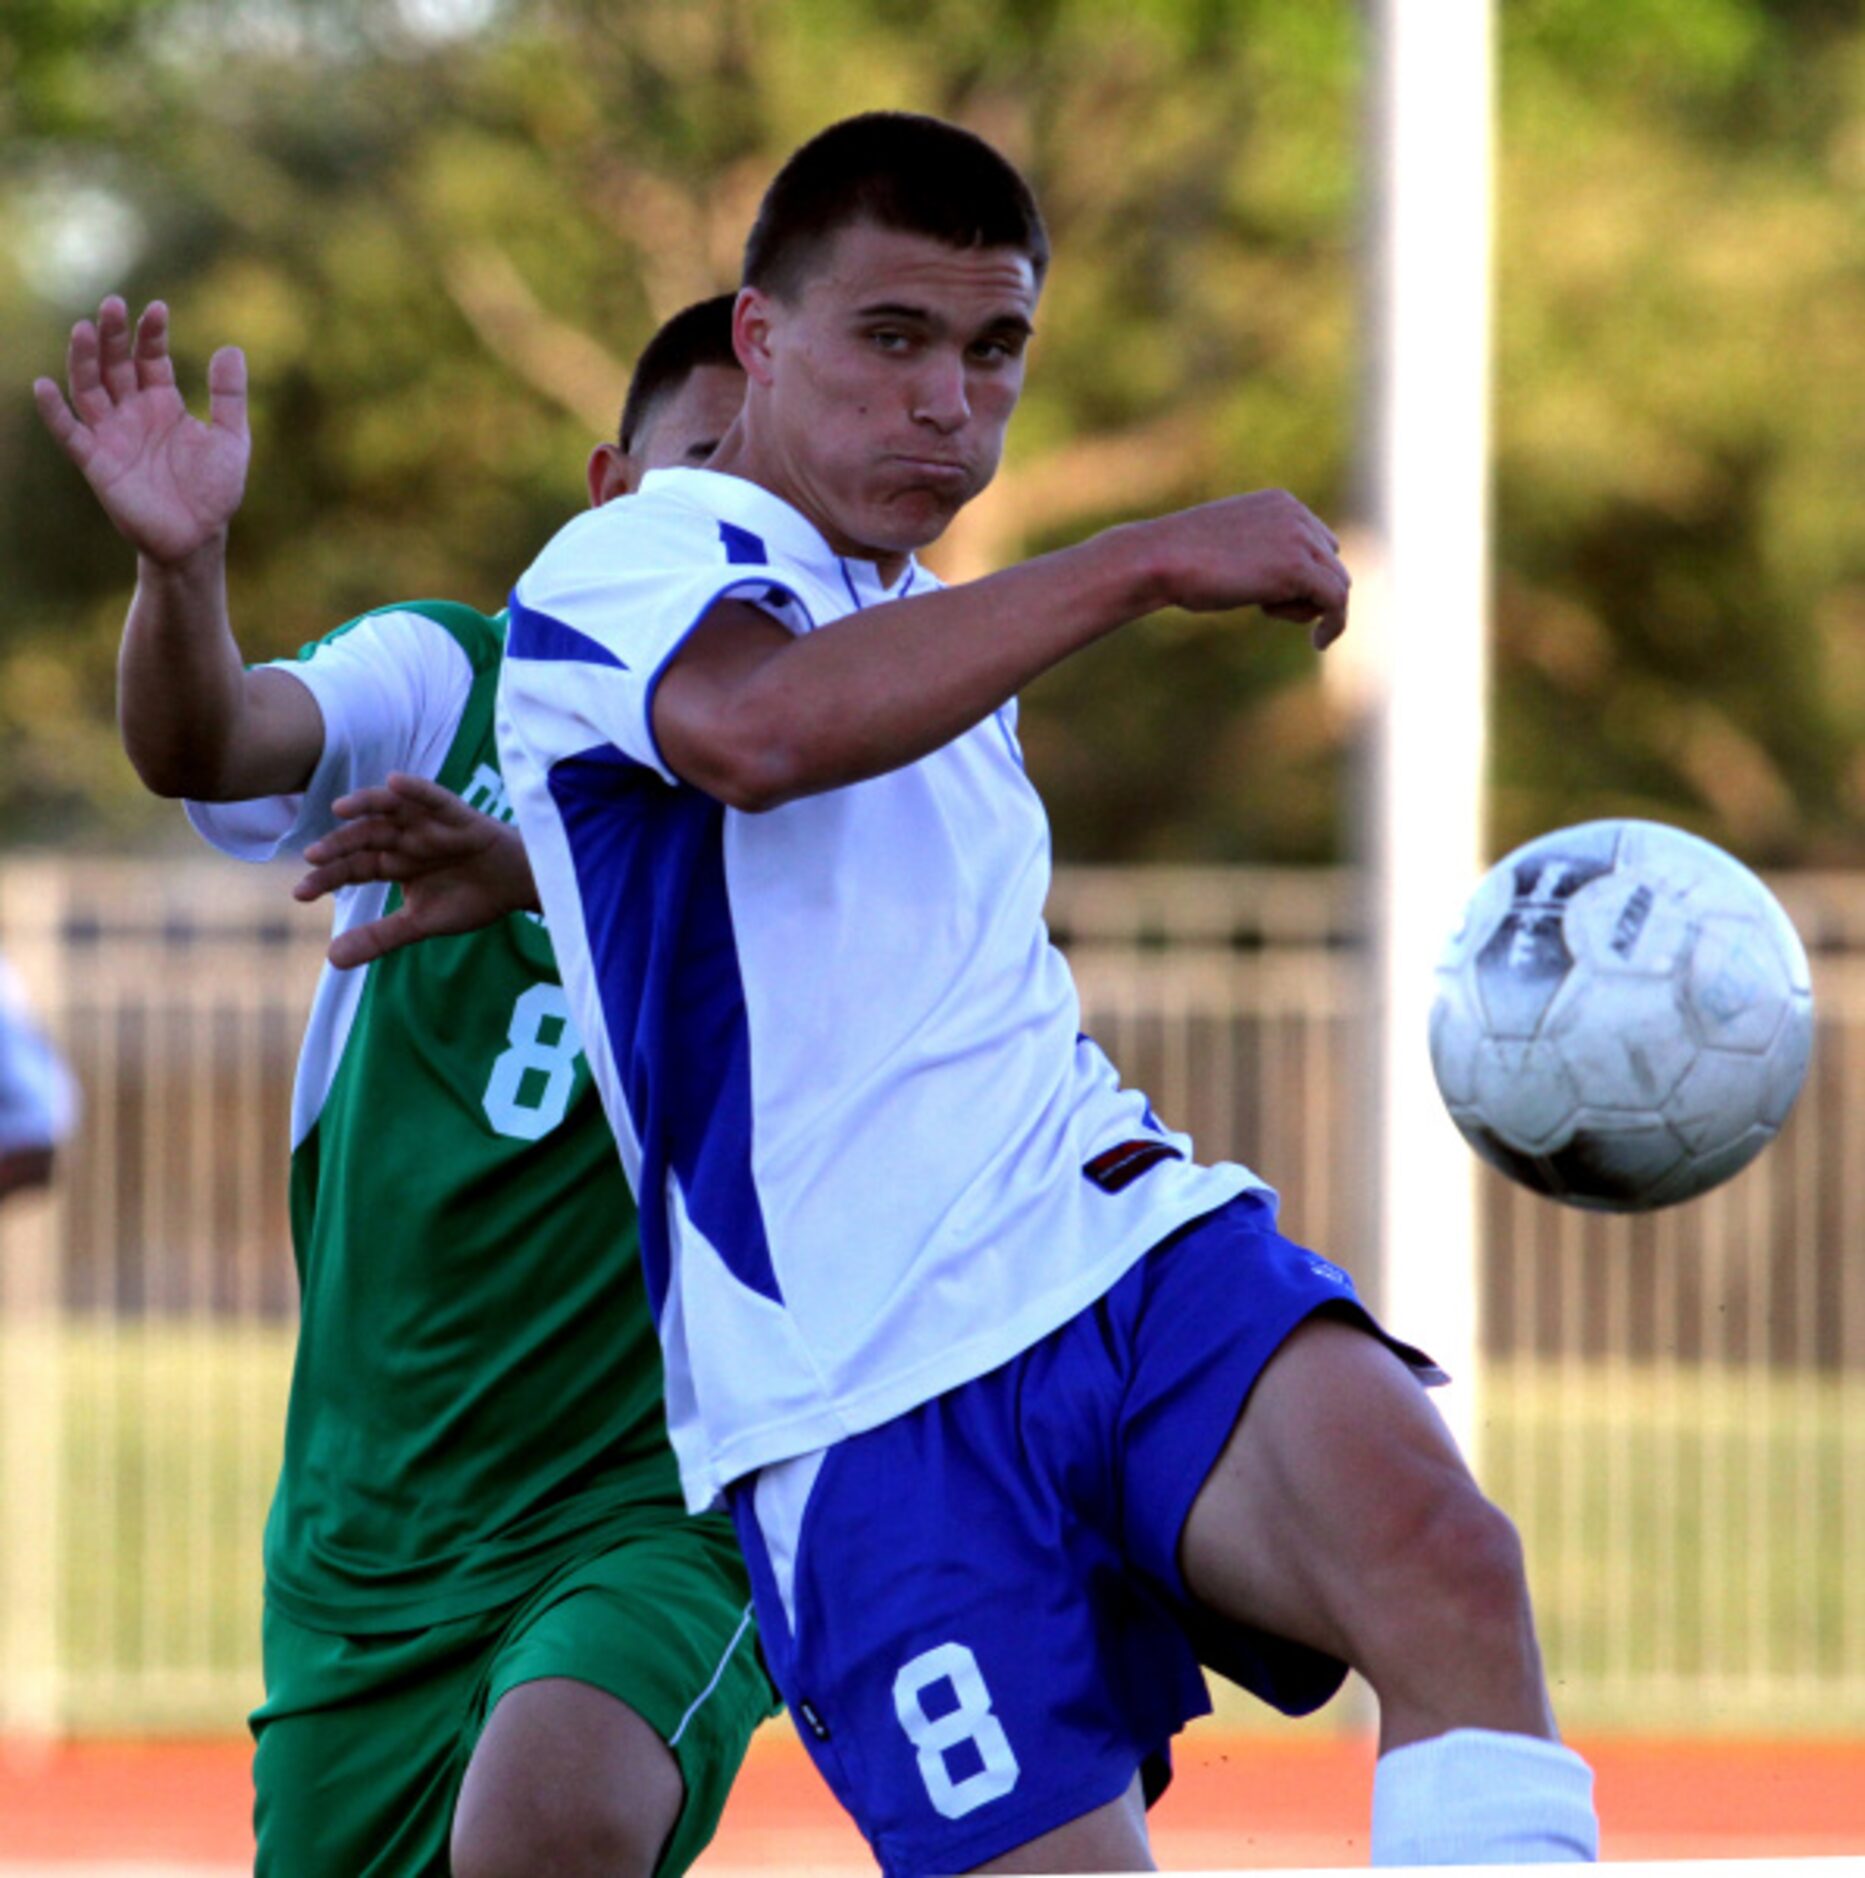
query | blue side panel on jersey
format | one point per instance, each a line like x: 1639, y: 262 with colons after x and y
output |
x: 535, y: 635
x: 650, y: 870
x: 742, y: 547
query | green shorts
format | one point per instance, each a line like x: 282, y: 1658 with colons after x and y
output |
x: 363, y: 1740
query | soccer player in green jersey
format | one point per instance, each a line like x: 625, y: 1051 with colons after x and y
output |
x: 494, y: 1641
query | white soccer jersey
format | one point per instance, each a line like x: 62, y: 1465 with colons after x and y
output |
x: 841, y: 1056
x: 390, y: 688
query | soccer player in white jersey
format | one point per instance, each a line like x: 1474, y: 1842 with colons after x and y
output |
x: 1023, y: 1413
x: 38, y: 1099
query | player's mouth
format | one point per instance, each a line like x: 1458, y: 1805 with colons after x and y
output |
x: 941, y: 472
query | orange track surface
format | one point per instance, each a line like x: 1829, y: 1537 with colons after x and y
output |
x: 1239, y: 1801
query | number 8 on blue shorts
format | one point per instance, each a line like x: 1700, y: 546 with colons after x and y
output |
x: 975, y: 1610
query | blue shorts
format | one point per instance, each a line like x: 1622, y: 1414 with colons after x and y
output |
x: 975, y: 1611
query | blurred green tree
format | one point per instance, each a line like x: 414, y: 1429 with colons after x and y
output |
x: 441, y: 228
x: 1681, y: 420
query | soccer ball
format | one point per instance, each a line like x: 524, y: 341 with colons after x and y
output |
x: 1623, y: 1019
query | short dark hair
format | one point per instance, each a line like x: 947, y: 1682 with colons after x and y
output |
x: 697, y: 335
x: 919, y: 175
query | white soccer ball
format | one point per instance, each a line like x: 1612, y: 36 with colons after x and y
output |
x: 1624, y: 1017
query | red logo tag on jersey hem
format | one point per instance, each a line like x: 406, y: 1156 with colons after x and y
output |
x: 1115, y: 1168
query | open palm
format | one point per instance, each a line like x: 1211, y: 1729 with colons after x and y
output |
x: 169, y: 482
x: 458, y: 869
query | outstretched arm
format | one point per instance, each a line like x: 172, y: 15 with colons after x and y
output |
x: 194, y: 721
x: 757, y: 718
x: 458, y: 870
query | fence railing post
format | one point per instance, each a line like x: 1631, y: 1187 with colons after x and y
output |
x: 32, y: 1381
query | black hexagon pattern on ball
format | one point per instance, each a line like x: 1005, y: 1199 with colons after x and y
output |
x: 1525, y: 961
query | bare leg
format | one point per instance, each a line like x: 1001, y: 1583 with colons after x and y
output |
x: 1341, y: 1515
x: 1110, y: 1839
x: 566, y: 1782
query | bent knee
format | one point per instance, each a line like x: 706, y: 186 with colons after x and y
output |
x: 1459, y: 1555
x: 1481, y: 1553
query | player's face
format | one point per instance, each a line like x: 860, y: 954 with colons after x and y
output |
x: 887, y: 383
x: 682, y: 431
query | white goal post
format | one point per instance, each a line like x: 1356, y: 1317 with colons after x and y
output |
x: 1428, y: 443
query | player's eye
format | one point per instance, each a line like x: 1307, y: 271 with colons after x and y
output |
x: 1000, y: 349
x: 890, y: 339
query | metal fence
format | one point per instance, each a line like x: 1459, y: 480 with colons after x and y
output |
x: 1672, y: 1407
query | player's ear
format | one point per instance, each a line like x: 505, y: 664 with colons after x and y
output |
x: 751, y: 333
x: 611, y: 473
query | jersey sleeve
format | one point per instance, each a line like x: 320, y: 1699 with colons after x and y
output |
x: 38, y: 1099
x: 391, y: 688
x: 602, y: 613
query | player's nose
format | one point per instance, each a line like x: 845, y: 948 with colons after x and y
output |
x: 939, y: 394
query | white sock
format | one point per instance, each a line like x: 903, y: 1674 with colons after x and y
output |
x: 1476, y: 1797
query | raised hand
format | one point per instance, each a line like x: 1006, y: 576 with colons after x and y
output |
x: 169, y: 482
x: 1263, y: 549
x: 458, y: 870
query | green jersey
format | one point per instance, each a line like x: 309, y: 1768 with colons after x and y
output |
x: 477, y: 1390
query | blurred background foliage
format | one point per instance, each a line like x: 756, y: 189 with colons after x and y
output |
x: 442, y: 228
